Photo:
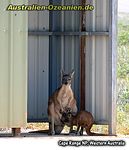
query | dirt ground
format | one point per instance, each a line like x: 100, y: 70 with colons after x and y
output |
x: 41, y: 130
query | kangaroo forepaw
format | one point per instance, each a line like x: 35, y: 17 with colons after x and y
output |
x: 78, y: 133
x: 81, y: 132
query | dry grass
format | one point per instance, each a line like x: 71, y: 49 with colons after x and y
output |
x: 96, y: 128
x: 44, y: 126
x: 122, y: 130
x: 37, y: 126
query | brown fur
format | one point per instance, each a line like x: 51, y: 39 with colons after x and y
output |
x: 83, y: 119
x: 62, y: 98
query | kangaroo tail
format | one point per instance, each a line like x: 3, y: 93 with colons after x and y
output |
x: 96, y: 134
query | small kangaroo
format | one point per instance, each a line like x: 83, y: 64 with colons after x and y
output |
x: 83, y: 119
x: 61, y: 99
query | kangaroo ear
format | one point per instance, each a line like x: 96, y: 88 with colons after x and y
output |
x: 62, y: 72
x: 61, y: 111
x: 72, y: 73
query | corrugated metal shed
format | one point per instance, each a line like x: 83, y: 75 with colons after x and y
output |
x: 55, y: 42
x: 13, y: 66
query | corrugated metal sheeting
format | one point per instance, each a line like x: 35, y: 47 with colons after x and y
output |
x: 64, y: 50
x: 38, y: 60
x: 101, y: 62
x: 97, y: 53
x: 13, y: 66
x: 48, y: 54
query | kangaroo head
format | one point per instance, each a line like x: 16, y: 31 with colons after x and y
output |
x: 66, y: 115
x: 67, y: 78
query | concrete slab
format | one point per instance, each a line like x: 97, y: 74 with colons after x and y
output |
x: 34, y: 142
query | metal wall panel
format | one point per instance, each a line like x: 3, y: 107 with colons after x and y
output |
x: 13, y: 66
x: 48, y: 55
x: 64, y: 50
x: 38, y: 64
x: 98, y: 19
x: 96, y: 78
x: 99, y: 56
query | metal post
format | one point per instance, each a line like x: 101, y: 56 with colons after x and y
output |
x: 16, y: 131
x: 82, y: 58
x: 112, y: 65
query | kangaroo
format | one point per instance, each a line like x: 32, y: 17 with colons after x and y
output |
x: 83, y: 119
x: 60, y: 100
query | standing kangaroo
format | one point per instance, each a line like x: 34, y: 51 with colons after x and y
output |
x: 61, y: 99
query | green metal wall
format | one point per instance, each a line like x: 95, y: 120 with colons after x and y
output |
x: 13, y: 66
